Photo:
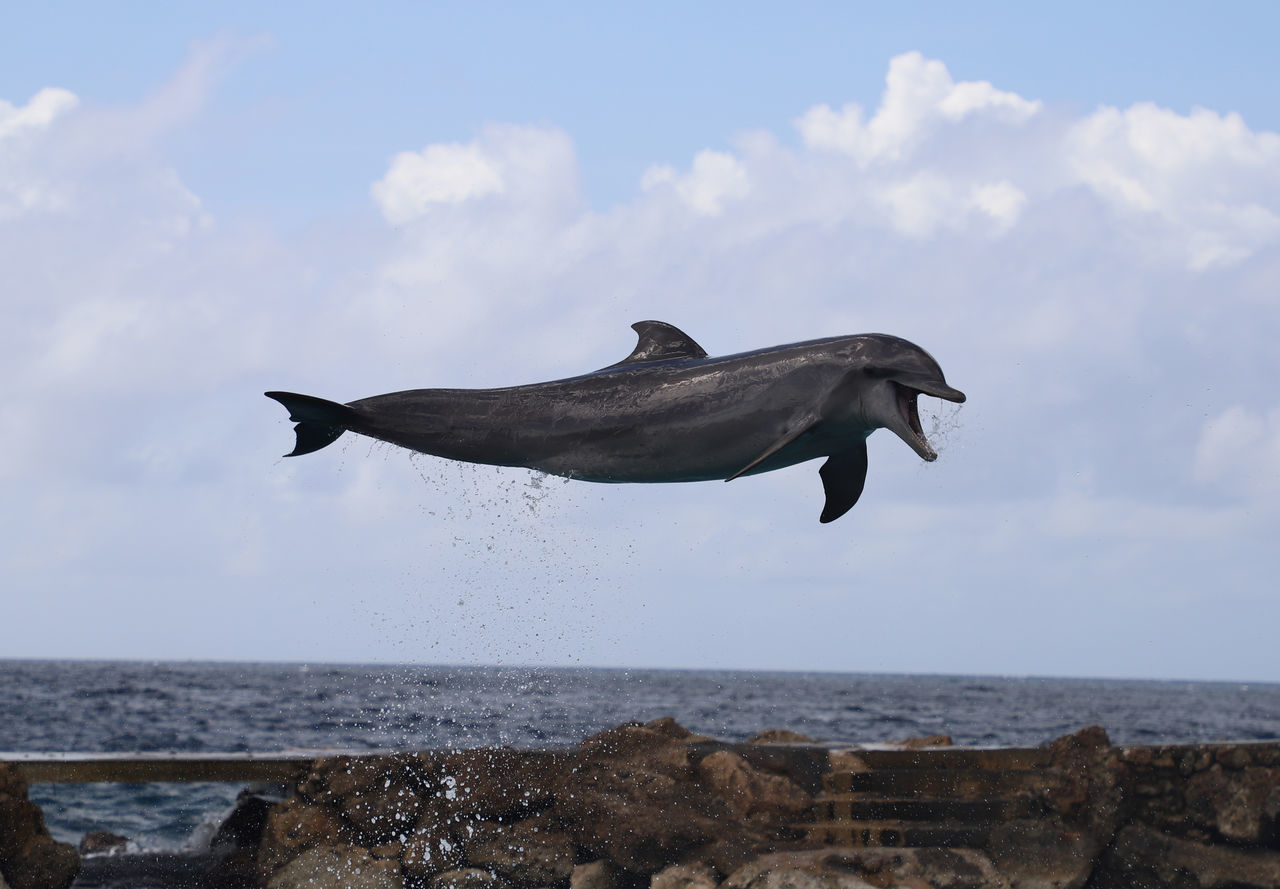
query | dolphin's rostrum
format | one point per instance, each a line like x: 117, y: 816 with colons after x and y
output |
x: 666, y: 413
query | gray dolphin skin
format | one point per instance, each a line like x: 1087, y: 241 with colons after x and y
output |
x: 666, y: 413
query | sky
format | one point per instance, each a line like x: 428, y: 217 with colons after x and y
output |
x: 1075, y: 209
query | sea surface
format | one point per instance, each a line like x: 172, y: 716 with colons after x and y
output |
x: 81, y: 706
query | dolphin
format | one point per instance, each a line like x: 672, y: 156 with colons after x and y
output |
x: 666, y: 413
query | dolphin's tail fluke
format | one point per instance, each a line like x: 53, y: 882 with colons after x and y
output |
x: 320, y: 422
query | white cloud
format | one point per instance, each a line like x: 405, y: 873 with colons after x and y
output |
x: 1212, y: 182
x: 926, y: 202
x: 716, y: 177
x: 919, y: 95
x: 1002, y: 201
x: 439, y: 174
x: 23, y: 185
x: 526, y: 164
x: 46, y: 105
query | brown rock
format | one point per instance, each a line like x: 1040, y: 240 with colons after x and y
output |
x: 846, y: 761
x: 497, y: 784
x: 865, y: 868
x: 467, y: 878
x: 640, y: 819
x: 1044, y: 853
x: 750, y: 793
x: 685, y: 876
x: 42, y: 864
x: 1142, y: 858
x: 1089, y: 780
x: 660, y: 742
x: 594, y: 875
x: 382, y: 797
x: 337, y: 867
x: 294, y: 827
x: 923, y: 742
x: 102, y: 842
x: 431, y: 849
x: 29, y: 856
x: 779, y: 736
x: 533, y: 852
x: 1242, y: 806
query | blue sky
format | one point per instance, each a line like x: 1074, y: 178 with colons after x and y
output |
x: 322, y: 92
x: 1076, y: 210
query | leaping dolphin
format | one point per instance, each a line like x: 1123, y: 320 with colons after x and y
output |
x: 666, y: 413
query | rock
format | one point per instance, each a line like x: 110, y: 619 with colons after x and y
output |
x: 1089, y: 786
x: 658, y: 745
x: 337, y: 867
x: 103, y: 842
x: 497, y: 784
x: 532, y: 852
x: 1044, y: 854
x: 381, y: 797
x: 750, y: 793
x: 29, y: 856
x: 594, y: 875
x: 922, y: 742
x: 1142, y: 858
x: 863, y: 868
x: 779, y: 736
x: 1242, y: 806
x: 685, y: 876
x: 635, y: 796
x: 791, y: 871
x: 296, y: 826
x: 430, y: 850
x: 467, y: 878
x: 846, y: 761
x: 639, y: 818
x: 243, y: 828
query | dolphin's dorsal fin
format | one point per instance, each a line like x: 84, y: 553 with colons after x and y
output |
x: 660, y: 341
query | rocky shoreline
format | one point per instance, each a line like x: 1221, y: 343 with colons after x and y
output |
x: 651, y: 806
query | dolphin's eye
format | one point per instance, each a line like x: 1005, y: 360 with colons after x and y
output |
x: 878, y: 373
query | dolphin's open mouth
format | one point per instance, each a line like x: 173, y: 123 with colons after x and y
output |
x: 911, y: 413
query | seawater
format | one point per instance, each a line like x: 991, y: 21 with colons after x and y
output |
x: 81, y: 706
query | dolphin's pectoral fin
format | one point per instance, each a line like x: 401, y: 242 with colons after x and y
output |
x: 843, y: 476
x: 660, y: 341
x: 798, y: 430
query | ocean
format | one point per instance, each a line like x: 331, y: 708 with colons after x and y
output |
x: 82, y: 706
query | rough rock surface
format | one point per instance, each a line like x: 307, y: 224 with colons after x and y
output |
x: 861, y: 868
x: 650, y: 806
x: 685, y: 876
x: 1083, y: 794
x: 534, y: 852
x: 1241, y: 805
x: 103, y: 842
x: 296, y: 826
x: 594, y: 875
x: 1143, y: 858
x: 468, y: 878
x: 637, y: 798
x: 337, y: 867
x: 29, y: 857
x: 750, y: 793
